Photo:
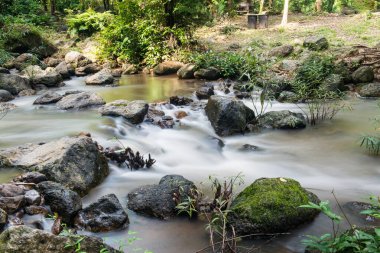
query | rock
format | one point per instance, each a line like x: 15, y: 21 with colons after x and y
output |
x: 180, y: 114
x: 228, y: 115
x: 287, y: 97
x: 13, y: 83
x: 116, y: 72
x: 28, y: 92
x: 75, y: 162
x: 281, y: 51
x: 5, y: 96
x: 348, y: 11
x: 207, y: 74
x: 186, y: 72
x: 290, y: 65
x: 80, y: 100
x: 12, y: 197
x: 334, y: 82
x: 316, y: 43
x: 33, y: 210
x: 76, y: 59
x: 49, y: 77
x: 104, y: 215
x: 356, y: 208
x: 242, y: 94
x: 30, y: 177
x: 102, y: 77
x: 63, y: 70
x: 89, y: 69
x: 282, y: 120
x: 167, y: 68
x: 5, y: 107
x: 23, y: 239
x: 363, y: 74
x: 204, y: 92
x: 249, y: 147
x: 130, y: 69
x: 3, y: 218
x: 32, y: 197
x: 157, y: 200
x: 179, y: 101
x: 62, y: 200
x: 370, y: 90
x: 48, y: 97
x: 271, y: 205
x: 52, y: 62
x: 134, y: 111
x: 25, y: 60
x: 4, y: 71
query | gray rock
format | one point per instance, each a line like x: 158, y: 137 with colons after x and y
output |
x: 52, y: 62
x: 5, y: 96
x: 3, y: 218
x: 179, y: 101
x: 75, y: 162
x: 207, y: 74
x: 5, y: 107
x: 30, y: 177
x: 287, y: 97
x: 167, y: 68
x: 157, y: 200
x: 102, y: 77
x: 27, y: 92
x: 116, y: 72
x: 370, y: 90
x: 63, y: 70
x: 363, y: 74
x: 25, y: 60
x: 49, y: 77
x: 290, y: 65
x: 134, y: 111
x: 80, y: 100
x: 89, y: 69
x: 4, y: 71
x: 130, y: 69
x: 282, y: 120
x: 334, y: 82
x: 204, y: 92
x: 62, y: 200
x: 48, y: 97
x: 32, y: 197
x: 12, y: 197
x: 76, y: 59
x: 104, y: 215
x: 186, y: 72
x: 316, y: 43
x: 13, y: 83
x: 23, y: 239
x: 281, y: 51
x: 228, y: 115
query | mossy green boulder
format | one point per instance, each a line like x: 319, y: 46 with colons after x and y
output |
x: 271, y: 205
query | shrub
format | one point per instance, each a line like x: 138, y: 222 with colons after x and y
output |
x: 371, y: 142
x: 89, y: 22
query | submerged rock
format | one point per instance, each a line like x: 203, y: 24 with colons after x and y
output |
x: 75, y: 162
x: 271, y: 205
x: 282, y: 120
x: 104, y: 215
x: 316, y: 43
x: 62, y: 200
x: 370, y: 90
x: 23, y: 239
x: 48, y: 97
x: 80, y: 100
x: 14, y: 83
x: 228, y: 115
x: 157, y: 200
x: 102, y: 77
x: 167, y: 68
x: 134, y: 111
x: 179, y: 101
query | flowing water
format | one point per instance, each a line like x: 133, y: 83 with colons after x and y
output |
x: 322, y: 158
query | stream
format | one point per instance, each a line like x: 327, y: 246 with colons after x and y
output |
x: 322, y: 158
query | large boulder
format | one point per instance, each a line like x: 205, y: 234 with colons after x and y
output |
x: 228, y: 115
x: 48, y: 77
x: 104, y: 215
x: 24, y: 60
x: 281, y: 51
x: 207, y: 74
x: 102, y: 77
x: 316, y: 43
x: 158, y: 200
x: 282, y: 120
x: 75, y: 162
x: 334, y: 82
x: 63, y: 70
x: 14, y: 83
x: 134, y: 111
x: 80, y: 100
x: 76, y: 59
x: 370, y: 90
x: 23, y: 239
x: 5, y: 96
x: 167, y: 68
x: 88, y: 69
x: 61, y: 200
x: 48, y: 97
x: 186, y: 72
x: 271, y: 205
x: 363, y: 74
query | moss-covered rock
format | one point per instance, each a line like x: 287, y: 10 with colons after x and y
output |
x: 271, y: 205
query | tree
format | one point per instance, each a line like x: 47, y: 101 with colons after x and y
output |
x: 318, y: 5
x: 285, y: 13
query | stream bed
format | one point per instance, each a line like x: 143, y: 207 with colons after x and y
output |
x: 322, y: 158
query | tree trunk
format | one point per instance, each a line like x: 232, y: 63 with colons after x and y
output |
x: 285, y: 13
x: 45, y: 4
x: 318, y: 5
x: 106, y: 4
x: 52, y: 7
x: 169, y: 11
x: 261, y: 6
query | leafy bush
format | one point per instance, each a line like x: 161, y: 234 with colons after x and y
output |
x: 371, y: 142
x: 89, y: 22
